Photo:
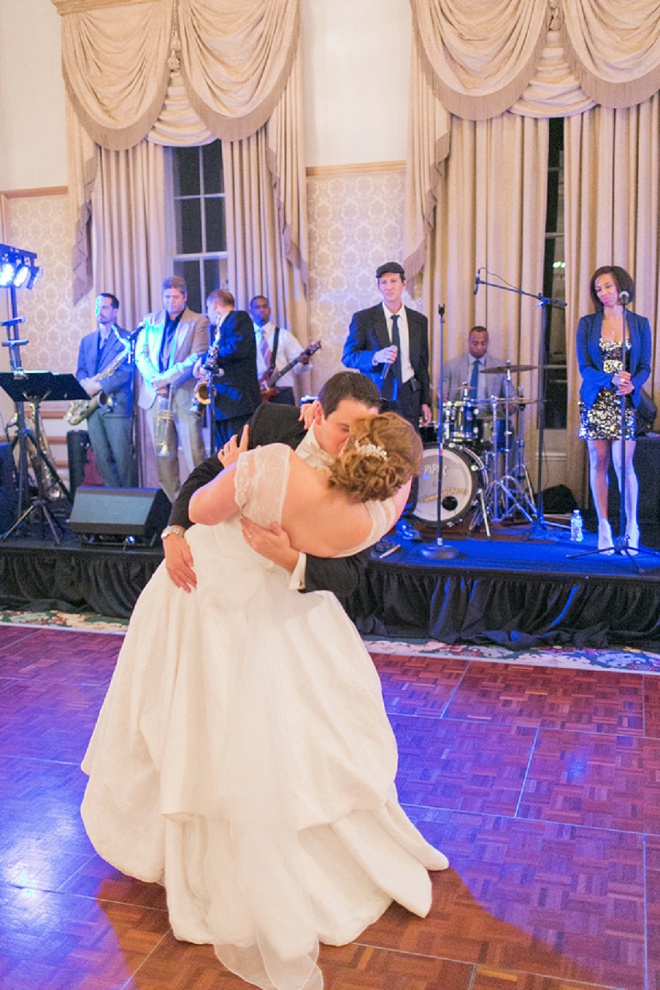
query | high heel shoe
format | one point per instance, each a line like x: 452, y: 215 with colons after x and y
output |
x: 633, y: 539
x: 605, y: 539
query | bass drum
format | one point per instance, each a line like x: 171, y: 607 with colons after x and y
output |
x: 463, y: 474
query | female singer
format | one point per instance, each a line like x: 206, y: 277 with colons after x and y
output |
x: 614, y: 358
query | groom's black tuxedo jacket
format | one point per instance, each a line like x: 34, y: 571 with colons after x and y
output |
x: 278, y: 424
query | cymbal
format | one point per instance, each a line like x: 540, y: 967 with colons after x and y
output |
x: 501, y: 369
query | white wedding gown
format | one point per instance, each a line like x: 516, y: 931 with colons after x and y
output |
x: 243, y: 757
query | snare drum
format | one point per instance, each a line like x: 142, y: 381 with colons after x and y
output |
x: 460, y: 423
x: 463, y: 474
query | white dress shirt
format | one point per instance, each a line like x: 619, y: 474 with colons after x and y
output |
x: 310, y: 451
x: 404, y: 340
x: 288, y: 349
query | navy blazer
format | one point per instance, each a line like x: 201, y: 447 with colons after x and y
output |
x: 118, y: 385
x: 368, y: 333
x: 237, y: 393
x: 590, y: 358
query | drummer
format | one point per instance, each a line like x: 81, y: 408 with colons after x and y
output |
x: 465, y: 379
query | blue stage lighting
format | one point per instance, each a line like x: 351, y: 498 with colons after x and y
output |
x: 22, y: 275
x: 7, y: 272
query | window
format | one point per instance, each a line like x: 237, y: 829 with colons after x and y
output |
x: 554, y: 283
x: 197, y: 235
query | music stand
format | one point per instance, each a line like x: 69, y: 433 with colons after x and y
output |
x: 36, y: 387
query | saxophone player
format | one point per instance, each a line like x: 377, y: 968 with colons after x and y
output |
x: 109, y: 424
x: 237, y: 392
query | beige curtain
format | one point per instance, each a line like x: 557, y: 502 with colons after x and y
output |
x: 235, y: 60
x: 612, y: 197
x: 592, y: 52
x: 266, y: 197
x: 491, y: 207
x: 228, y: 70
x: 128, y: 233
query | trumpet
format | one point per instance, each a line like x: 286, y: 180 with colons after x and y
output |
x: 210, y: 370
x: 164, y: 432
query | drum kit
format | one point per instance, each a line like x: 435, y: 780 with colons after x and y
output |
x: 484, y: 475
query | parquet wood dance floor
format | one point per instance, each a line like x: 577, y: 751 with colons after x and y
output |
x: 541, y: 785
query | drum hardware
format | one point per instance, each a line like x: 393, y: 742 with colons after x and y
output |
x: 507, y: 368
x: 464, y: 481
x: 509, y: 492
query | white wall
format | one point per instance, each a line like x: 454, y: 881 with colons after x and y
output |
x: 356, y: 58
x: 355, y: 64
x: 32, y: 122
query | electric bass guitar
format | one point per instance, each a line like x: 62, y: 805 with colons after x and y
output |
x: 268, y: 381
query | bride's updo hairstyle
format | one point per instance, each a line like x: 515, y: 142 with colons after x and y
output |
x: 381, y: 454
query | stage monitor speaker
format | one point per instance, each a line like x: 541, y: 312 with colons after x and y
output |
x: 8, y: 488
x: 141, y: 513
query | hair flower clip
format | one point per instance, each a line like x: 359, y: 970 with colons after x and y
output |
x: 370, y: 450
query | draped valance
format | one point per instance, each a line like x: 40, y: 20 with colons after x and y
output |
x: 480, y: 57
x: 235, y: 59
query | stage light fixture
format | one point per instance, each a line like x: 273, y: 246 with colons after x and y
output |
x: 22, y: 274
x: 18, y: 268
x: 35, y: 273
x: 7, y: 272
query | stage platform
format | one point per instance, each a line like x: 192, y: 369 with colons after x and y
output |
x: 511, y: 590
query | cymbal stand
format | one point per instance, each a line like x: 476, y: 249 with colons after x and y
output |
x: 506, y: 494
x: 540, y: 528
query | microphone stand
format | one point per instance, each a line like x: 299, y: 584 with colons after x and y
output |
x: 438, y: 550
x: 135, y: 426
x: 540, y: 529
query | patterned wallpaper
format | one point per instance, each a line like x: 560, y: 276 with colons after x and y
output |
x: 53, y: 324
x: 355, y: 224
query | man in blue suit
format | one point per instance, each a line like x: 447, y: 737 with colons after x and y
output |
x: 104, y: 371
x: 390, y: 344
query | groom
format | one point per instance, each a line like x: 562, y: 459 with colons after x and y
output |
x: 345, y: 398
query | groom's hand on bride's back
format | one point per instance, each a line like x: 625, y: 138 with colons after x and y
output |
x: 179, y: 562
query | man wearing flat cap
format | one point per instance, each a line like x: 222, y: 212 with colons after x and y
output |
x: 390, y: 343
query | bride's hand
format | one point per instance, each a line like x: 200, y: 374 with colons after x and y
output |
x: 229, y: 454
x: 308, y: 413
x: 273, y: 543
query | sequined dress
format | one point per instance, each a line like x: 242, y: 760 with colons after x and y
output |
x: 602, y: 420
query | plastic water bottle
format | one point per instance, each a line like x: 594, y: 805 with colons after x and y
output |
x: 577, y: 534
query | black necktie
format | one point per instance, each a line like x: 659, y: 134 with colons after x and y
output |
x: 396, y: 368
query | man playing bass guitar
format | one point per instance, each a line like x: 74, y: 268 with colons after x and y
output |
x: 278, y: 351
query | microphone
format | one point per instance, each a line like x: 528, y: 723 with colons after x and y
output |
x: 624, y: 298
x: 477, y: 282
x: 384, y: 373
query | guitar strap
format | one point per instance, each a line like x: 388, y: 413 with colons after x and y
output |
x: 273, y: 355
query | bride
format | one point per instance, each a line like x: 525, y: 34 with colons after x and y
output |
x: 242, y: 756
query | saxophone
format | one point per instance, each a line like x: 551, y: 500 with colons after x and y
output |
x: 210, y: 370
x: 82, y: 409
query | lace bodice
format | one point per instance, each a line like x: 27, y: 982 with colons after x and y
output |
x: 262, y: 476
